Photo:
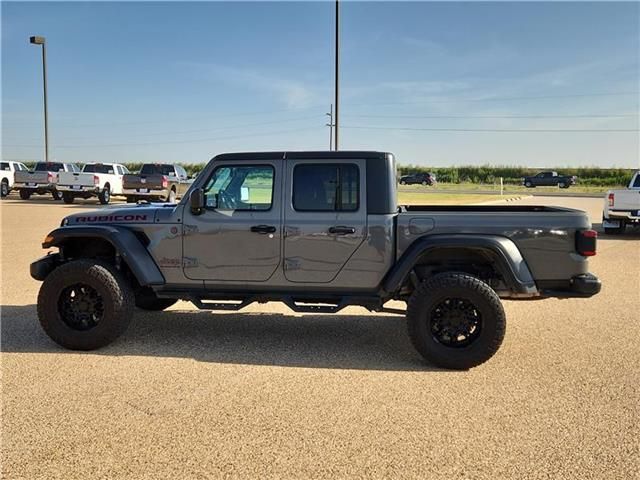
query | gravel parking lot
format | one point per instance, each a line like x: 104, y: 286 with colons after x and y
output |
x: 269, y: 393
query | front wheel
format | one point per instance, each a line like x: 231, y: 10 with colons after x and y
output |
x: 4, y: 189
x: 85, y: 304
x: 455, y: 321
x: 528, y: 184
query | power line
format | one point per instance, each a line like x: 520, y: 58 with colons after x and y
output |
x: 625, y: 115
x: 491, y: 99
x: 175, y: 142
x: 509, y: 130
x: 219, y: 128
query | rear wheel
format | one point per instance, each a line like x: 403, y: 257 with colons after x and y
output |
x: 105, y: 195
x: 67, y: 197
x: 424, y: 182
x: 455, y: 320
x: 85, y: 304
x: 25, y: 194
x: 4, y: 188
x: 616, y: 230
x: 172, y: 196
x: 146, y: 299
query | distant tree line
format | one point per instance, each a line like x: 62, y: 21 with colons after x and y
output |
x: 486, y: 174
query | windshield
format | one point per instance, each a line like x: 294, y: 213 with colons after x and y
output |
x: 49, y: 167
x: 98, y: 168
x: 151, y: 169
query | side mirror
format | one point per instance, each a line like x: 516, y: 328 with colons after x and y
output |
x: 197, y: 201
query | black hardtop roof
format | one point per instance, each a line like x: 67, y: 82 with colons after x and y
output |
x: 320, y: 155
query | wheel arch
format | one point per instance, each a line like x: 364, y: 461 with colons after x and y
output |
x: 106, y: 239
x: 500, y: 252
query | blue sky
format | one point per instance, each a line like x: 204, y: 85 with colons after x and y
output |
x: 184, y: 81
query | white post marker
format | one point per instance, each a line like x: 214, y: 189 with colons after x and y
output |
x: 501, y: 187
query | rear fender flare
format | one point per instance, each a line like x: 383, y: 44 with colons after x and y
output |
x: 507, y: 259
x: 125, y: 242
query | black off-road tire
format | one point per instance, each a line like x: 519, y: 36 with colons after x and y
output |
x: 116, y: 297
x: 171, y: 198
x: 25, y: 194
x: 420, y: 314
x: 146, y: 299
x: 67, y: 197
x: 4, y: 188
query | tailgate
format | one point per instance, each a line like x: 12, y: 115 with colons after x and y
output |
x: 626, y: 200
x: 35, y: 177
x: 151, y: 182
x: 79, y: 179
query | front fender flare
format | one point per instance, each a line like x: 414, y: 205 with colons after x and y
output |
x: 125, y: 242
x: 508, y: 259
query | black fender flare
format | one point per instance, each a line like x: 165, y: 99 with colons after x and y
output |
x: 506, y: 255
x: 125, y: 242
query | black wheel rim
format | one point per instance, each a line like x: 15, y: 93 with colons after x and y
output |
x: 107, y: 195
x: 455, y: 322
x: 80, y: 307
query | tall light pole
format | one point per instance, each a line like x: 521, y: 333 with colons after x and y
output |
x: 40, y: 41
x: 337, y: 55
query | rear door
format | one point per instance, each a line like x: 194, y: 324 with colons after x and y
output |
x: 325, y: 217
x: 238, y: 235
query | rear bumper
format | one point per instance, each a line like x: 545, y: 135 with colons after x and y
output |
x: 134, y: 192
x: 628, y: 215
x: 82, y: 189
x: 581, y: 286
x: 34, y: 186
x: 44, y: 266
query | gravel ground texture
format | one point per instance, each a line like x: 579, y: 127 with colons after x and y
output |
x: 271, y: 394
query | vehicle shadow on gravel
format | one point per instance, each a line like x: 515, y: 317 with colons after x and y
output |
x: 311, y: 341
x: 631, y: 233
x: 78, y: 203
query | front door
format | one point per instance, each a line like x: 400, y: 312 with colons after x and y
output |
x: 325, y: 217
x: 237, y: 237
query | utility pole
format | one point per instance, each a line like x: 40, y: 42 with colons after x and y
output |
x: 337, y: 55
x: 330, y: 125
x: 41, y: 41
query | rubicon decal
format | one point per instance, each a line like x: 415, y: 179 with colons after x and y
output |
x: 111, y: 218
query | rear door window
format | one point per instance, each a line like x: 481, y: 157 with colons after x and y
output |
x: 326, y: 187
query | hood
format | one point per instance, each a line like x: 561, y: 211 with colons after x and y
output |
x: 118, y: 214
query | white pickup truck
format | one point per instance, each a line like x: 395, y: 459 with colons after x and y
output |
x: 42, y: 180
x: 7, y: 175
x: 622, y: 207
x: 96, y: 180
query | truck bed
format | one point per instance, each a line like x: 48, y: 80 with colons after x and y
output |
x: 544, y: 235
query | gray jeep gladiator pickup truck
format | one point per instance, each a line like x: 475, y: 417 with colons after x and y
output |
x: 318, y: 231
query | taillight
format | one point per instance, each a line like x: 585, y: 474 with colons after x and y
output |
x: 611, y: 198
x: 96, y: 180
x: 586, y: 242
x: 50, y: 177
x: 165, y: 182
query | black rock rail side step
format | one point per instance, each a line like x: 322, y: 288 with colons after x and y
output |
x: 297, y: 304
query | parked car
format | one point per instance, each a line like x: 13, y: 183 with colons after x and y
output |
x: 160, y: 182
x: 418, y: 178
x: 622, y: 207
x: 318, y: 231
x: 42, y: 180
x: 7, y: 176
x: 549, y: 179
x: 100, y: 180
